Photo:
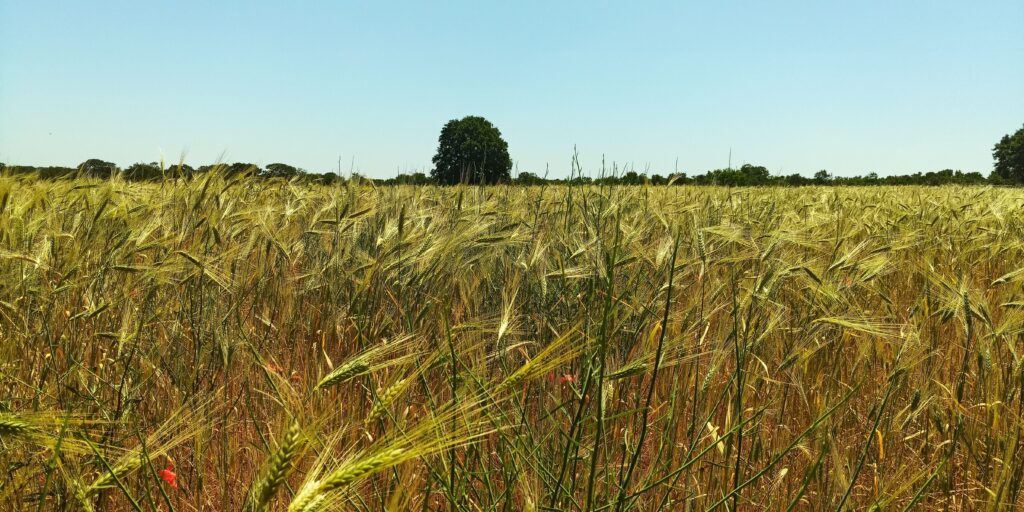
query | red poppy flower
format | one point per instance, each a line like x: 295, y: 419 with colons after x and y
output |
x: 568, y: 378
x: 168, y: 475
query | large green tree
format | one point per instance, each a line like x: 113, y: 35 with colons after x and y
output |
x: 1009, y: 157
x: 471, y: 150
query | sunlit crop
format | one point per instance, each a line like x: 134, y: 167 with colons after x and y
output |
x: 240, y: 344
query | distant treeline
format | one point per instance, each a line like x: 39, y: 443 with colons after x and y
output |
x: 745, y: 176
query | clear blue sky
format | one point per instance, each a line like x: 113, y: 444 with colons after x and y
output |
x: 851, y: 87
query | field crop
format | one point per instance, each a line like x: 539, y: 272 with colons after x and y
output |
x: 235, y: 344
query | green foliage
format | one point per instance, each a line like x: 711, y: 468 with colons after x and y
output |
x: 279, y: 170
x: 328, y: 178
x: 745, y: 176
x: 180, y: 170
x: 96, y: 168
x: 143, y: 172
x: 748, y: 175
x: 416, y: 178
x: 1009, y: 157
x: 471, y: 150
x: 758, y: 176
x: 528, y: 178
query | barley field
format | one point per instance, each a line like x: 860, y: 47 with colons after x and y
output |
x: 228, y: 344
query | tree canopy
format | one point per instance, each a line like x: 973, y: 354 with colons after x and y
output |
x: 279, y: 170
x: 471, y: 150
x: 96, y: 168
x: 143, y: 172
x: 1009, y: 157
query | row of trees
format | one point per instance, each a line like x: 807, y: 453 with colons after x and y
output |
x: 154, y: 171
x: 747, y: 175
x: 472, y: 150
x: 757, y: 176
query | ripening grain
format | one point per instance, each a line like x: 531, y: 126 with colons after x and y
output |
x: 284, y: 346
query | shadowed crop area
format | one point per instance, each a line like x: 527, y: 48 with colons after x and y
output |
x: 227, y: 343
